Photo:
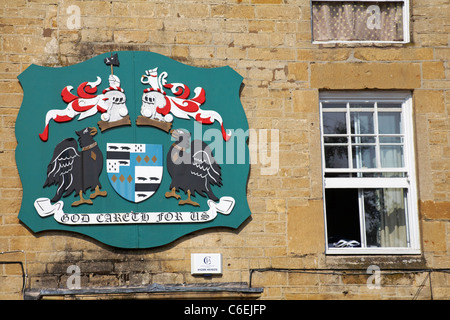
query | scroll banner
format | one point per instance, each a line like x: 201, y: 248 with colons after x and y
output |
x: 44, y: 208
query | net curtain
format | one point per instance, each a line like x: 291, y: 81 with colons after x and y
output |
x: 357, y: 21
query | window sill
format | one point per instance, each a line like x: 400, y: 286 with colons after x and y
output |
x: 372, y: 251
x: 384, y: 262
x: 363, y: 42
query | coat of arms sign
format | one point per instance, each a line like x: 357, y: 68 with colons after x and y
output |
x: 133, y: 157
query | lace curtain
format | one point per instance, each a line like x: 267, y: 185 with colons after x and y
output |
x: 357, y: 21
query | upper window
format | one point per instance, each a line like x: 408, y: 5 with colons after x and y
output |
x: 369, y: 177
x: 360, y: 21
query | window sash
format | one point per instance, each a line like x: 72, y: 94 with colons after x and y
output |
x: 411, y: 225
x: 406, y: 174
x: 354, y: 137
x: 382, y: 218
x: 405, y: 23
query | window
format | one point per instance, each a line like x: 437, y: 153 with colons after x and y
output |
x: 383, y: 21
x: 369, y: 177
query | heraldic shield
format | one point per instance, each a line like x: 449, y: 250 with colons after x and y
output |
x: 134, y: 170
x: 132, y: 149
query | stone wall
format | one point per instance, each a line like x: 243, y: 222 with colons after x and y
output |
x: 281, y: 248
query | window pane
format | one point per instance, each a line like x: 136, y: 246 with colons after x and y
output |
x: 364, y: 157
x: 357, y: 21
x: 326, y: 104
x: 363, y: 139
x: 389, y: 123
x: 361, y: 122
x: 342, y: 214
x: 337, y: 175
x: 336, y: 157
x: 389, y: 105
x: 391, y: 156
x: 334, y: 122
x: 385, y: 217
x: 391, y: 140
x: 335, y: 139
x: 384, y: 175
x: 362, y: 105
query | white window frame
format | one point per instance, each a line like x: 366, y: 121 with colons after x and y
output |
x: 406, y: 19
x: 408, y: 182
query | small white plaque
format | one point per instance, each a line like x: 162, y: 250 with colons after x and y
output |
x: 206, y: 263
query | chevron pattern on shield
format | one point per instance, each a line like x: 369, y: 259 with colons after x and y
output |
x: 134, y: 170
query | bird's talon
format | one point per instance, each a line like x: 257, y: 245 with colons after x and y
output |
x: 98, y: 193
x: 188, y: 201
x: 82, y: 201
x: 172, y: 193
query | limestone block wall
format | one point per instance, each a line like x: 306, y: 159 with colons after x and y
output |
x: 282, y: 247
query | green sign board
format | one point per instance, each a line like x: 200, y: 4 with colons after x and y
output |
x: 132, y: 149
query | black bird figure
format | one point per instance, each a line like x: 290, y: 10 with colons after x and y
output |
x: 72, y: 170
x: 194, y: 171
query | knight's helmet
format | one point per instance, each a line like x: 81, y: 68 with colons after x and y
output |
x: 153, y: 97
x: 115, y: 98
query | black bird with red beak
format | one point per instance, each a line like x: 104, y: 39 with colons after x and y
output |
x: 73, y: 170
